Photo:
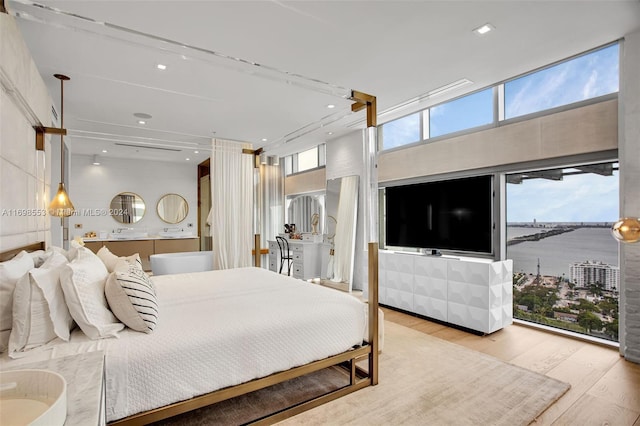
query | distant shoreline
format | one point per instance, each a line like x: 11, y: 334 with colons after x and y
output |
x: 573, y: 225
x: 540, y: 235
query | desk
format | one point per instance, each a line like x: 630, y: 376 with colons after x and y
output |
x: 84, y: 374
x: 310, y: 259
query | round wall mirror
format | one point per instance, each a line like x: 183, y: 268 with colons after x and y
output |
x: 127, y: 207
x: 172, y: 208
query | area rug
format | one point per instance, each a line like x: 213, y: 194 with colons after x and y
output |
x: 428, y: 381
x: 423, y: 381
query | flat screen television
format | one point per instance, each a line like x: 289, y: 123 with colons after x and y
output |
x: 455, y: 215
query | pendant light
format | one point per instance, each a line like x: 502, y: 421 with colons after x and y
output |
x: 627, y: 230
x: 61, y: 206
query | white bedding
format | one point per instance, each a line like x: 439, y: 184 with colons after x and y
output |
x: 217, y: 329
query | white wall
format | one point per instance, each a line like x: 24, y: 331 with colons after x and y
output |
x: 24, y: 171
x: 92, y: 188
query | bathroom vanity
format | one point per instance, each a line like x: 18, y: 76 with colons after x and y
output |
x: 145, y: 246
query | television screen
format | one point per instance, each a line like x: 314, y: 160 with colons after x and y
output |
x: 454, y: 215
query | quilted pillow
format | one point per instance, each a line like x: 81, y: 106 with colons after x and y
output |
x: 83, y: 281
x: 40, y: 313
x: 10, y: 272
x: 132, y: 297
x: 110, y: 260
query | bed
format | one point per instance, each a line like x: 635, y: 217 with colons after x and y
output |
x: 221, y: 334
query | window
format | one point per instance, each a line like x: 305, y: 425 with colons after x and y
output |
x: 460, y: 114
x: 306, y: 160
x: 588, y: 76
x: 402, y: 131
x: 565, y: 261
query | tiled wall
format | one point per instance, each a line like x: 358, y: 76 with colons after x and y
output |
x: 24, y: 171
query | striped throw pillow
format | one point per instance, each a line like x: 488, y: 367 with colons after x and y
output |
x: 131, y: 296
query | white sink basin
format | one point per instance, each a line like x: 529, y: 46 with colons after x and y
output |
x: 127, y: 235
x: 33, y: 397
x: 175, y: 234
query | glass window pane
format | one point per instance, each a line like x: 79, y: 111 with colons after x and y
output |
x: 288, y: 164
x: 308, y: 159
x: 585, y: 77
x: 400, y: 132
x: 322, y: 154
x: 463, y: 113
x: 565, y: 261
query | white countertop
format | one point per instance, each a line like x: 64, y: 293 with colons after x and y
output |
x: 83, y: 373
x: 155, y: 237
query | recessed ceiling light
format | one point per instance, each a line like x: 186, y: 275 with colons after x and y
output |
x: 329, y: 133
x: 196, y: 152
x: 331, y: 106
x: 162, y: 67
x: 188, y: 159
x: 264, y: 139
x: 482, y: 30
x: 104, y: 151
x: 142, y: 122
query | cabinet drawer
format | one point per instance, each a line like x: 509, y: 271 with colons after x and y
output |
x: 297, y: 256
x: 297, y: 271
x: 273, y: 263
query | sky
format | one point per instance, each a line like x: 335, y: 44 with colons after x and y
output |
x: 582, y: 198
x: 576, y: 198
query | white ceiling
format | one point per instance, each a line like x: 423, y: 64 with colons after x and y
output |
x: 248, y: 70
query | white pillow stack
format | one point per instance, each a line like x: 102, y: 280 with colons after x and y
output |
x: 40, y: 313
x: 43, y: 293
x: 10, y: 272
x: 83, y: 281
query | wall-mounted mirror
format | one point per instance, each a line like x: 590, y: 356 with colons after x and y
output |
x: 342, y: 204
x: 306, y: 210
x: 127, y: 207
x: 172, y: 208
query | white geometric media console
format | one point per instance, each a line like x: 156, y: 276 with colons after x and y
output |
x: 470, y: 292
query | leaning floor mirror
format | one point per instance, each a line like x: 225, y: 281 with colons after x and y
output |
x: 342, y: 208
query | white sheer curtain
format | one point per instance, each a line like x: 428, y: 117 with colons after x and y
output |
x: 272, y: 214
x: 345, y: 230
x: 232, y: 204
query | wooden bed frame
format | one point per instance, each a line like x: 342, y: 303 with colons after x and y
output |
x: 359, y: 377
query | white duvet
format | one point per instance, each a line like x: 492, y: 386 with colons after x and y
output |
x: 221, y: 328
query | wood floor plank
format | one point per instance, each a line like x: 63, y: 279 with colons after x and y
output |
x: 591, y: 410
x: 547, y: 354
x: 620, y: 385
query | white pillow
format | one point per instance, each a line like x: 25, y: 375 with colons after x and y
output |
x: 110, y: 260
x: 40, y: 313
x: 39, y: 256
x: 71, y: 253
x: 132, y: 297
x: 10, y: 272
x: 83, y: 282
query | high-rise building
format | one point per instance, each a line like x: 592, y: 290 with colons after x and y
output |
x: 590, y: 272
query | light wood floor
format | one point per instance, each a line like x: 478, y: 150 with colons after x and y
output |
x: 605, y: 388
